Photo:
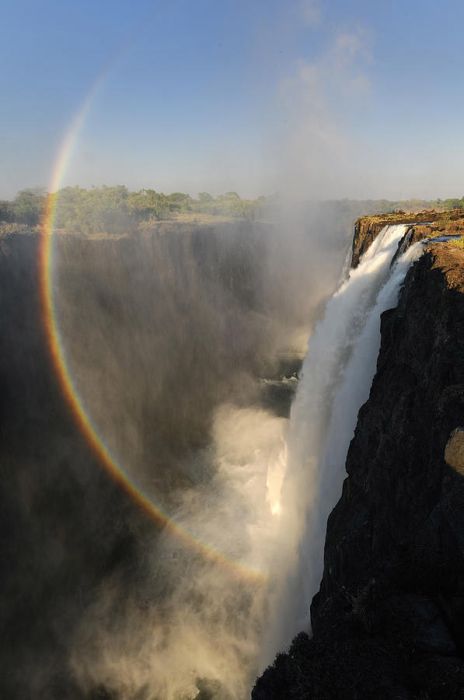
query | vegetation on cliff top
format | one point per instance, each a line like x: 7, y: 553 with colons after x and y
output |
x: 426, y: 223
x: 117, y: 210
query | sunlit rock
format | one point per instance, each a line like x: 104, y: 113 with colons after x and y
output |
x: 454, y: 450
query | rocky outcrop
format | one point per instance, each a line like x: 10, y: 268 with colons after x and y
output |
x: 454, y: 452
x: 388, y: 621
x: 425, y: 224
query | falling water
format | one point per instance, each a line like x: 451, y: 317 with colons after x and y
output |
x: 336, y: 378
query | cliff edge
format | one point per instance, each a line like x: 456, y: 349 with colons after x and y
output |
x: 424, y: 224
x: 388, y: 621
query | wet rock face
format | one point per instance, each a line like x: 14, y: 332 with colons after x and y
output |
x: 366, y: 231
x: 388, y: 621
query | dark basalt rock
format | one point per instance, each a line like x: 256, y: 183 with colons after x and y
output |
x: 388, y: 621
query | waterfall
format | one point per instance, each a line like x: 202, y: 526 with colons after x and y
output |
x: 336, y: 379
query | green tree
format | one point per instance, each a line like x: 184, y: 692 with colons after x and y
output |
x: 28, y: 206
x: 205, y: 197
x: 6, y: 211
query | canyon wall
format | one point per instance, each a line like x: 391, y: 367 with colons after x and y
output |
x: 389, y: 617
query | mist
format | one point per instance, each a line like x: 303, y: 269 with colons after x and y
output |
x: 178, y: 346
x: 194, y: 400
x: 185, y: 349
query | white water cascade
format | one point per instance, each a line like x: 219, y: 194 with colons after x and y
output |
x: 336, y: 379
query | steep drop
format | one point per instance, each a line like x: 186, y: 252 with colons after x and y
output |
x: 388, y: 619
x: 336, y: 378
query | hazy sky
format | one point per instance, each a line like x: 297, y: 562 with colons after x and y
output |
x: 332, y: 98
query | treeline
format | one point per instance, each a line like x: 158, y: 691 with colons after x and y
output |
x: 117, y: 210
x: 26, y: 208
x: 385, y: 206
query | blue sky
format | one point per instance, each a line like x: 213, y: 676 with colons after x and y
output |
x: 339, y: 98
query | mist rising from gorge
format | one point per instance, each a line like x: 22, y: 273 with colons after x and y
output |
x: 170, y: 340
x: 175, y: 391
x: 180, y: 375
x: 179, y: 345
x: 183, y: 345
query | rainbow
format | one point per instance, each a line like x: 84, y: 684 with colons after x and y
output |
x: 67, y: 384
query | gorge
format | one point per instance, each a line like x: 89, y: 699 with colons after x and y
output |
x: 143, y: 418
x: 183, y: 349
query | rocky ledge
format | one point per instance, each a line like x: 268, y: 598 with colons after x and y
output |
x: 424, y: 224
x: 388, y: 621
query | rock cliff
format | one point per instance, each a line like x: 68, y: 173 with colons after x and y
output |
x: 388, y: 621
x: 423, y: 224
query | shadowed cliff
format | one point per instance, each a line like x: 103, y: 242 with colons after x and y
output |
x: 389, y: 616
